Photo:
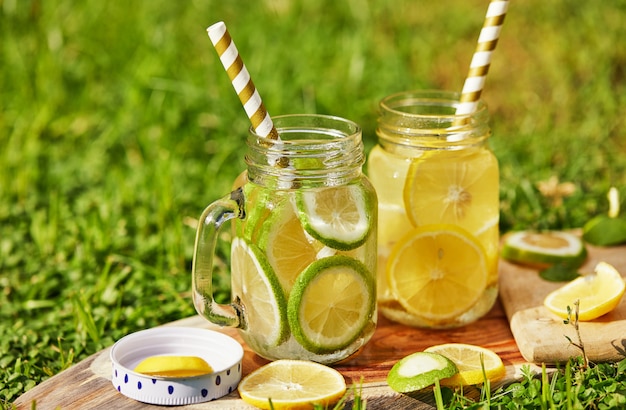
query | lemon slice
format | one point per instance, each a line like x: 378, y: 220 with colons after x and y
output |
x: 470, y: 360
x: 288, y: 248
x: 455, y: 187
x: 173, y: 366
x: 419, y: 370
x: 598, y: 294
x: 542, y: 249
x: 266, y: 306
x: 437, y: 271
x: 292, y: 384
x: 388, y: 174
x: 339, y: 217
x: 330, y: 304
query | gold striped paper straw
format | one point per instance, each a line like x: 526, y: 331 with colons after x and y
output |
x: 481, y: 60
x: 240, y: 78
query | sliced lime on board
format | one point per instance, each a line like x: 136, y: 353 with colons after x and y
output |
x: 331, y: 302
x: 419, y: 370
x: 545, y: 248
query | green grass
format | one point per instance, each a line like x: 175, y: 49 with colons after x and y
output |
x: 118, y: 126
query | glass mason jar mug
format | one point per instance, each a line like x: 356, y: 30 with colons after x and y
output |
x: 438, y: 188
x: 303, y: 253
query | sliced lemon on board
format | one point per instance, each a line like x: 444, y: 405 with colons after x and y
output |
x: 330, y: 303
x: 470, y: 360
x: 419, y: 370
x: 340, y: 217
x: 542, y: 249
x: 292, y: 384
x: 455, y: 187
x: 437, y: 271
x: 597, y: 293
x: 265, y: 304
x: 288, y: 248
x: 173, y: 366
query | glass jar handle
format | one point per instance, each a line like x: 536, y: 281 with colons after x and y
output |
x: 213, y: 217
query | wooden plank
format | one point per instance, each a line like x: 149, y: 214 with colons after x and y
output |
x: 88, y: 384
x: 540, y: 334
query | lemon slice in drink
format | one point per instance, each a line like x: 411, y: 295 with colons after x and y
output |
x: 455, y: 187
x: 598, y: 294
x: 173, y: 366
x: 542, y: 249
x: 419, y: 370
x: 470, y: 360
x: 288, y: 248
x: 330, y: 303
x: 437, y: 271
x: 266, y: 306
x: 339, y: 217
x: 390, y: 174
x: 292, y: 384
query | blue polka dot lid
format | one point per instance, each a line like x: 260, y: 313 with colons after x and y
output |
x: 221, y: 352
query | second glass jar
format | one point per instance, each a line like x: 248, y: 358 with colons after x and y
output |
x: 438, y: 190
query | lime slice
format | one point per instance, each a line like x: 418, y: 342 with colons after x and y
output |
x: 597, y: 294
x: 292, y: 384
x: 437, y: 272
x: 542, y: 249
x: 339, y: 216
x: 173, y: 366
x: 288, y: 248
x: 256, y: 216
x: 419, y: 370
x: 265, y: 305
x: 473, y: 362
x: 330, y: 303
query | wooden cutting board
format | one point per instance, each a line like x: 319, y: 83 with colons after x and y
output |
x: 540, y: 335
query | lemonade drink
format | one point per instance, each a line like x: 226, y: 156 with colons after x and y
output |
x: 303, y: 253
x: 438, y: 189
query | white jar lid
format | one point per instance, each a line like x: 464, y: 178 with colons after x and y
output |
x: 223, y: 353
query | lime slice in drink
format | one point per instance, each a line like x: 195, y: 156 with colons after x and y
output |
x: 336, y: 216
x: 288, y: 247
x: 330, y: 303
x: 260, y: 293
x: 419, y: 370
x: 543, y: 249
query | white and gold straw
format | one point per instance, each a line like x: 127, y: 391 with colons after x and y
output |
x: 240, y: 78
x: 481, y: 60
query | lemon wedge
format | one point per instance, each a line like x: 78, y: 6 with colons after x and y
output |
x: 597, y: 293
x: 173, y: 366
